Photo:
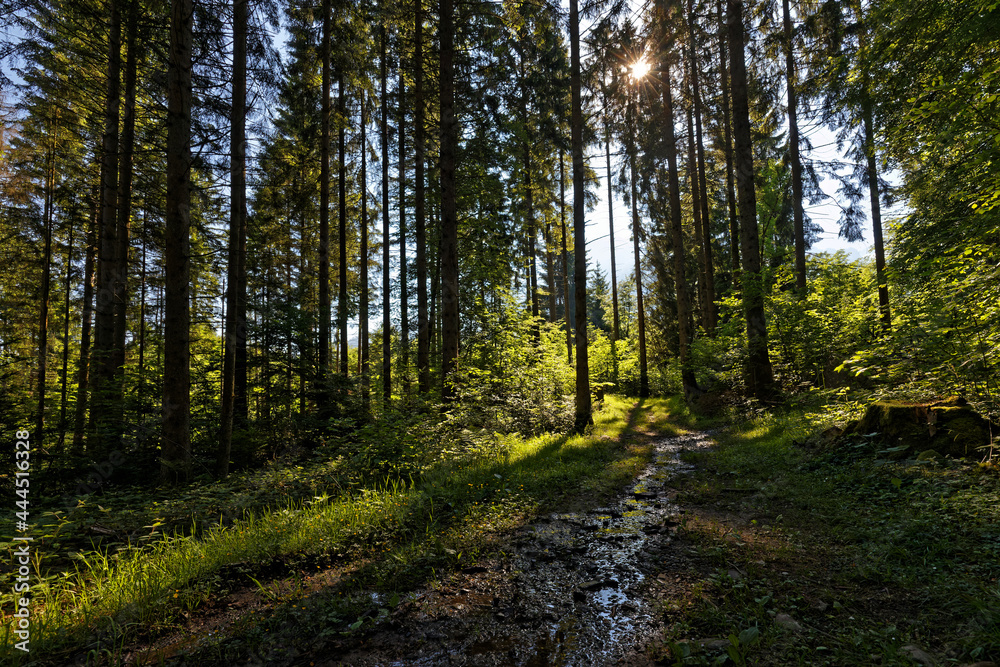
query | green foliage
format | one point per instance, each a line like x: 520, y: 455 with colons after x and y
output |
x: 811, y: 337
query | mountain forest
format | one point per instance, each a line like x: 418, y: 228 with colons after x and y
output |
x: 317, y: 344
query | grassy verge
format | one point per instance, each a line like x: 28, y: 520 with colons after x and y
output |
x: 834, y: 557
x: 391, y: 533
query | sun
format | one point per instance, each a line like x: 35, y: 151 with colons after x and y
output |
x: 640, y: 69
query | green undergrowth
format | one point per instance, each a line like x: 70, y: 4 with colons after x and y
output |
x: 835, y: 555
x: 391, y: 532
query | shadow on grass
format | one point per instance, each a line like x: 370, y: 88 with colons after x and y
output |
x: 455, y: 513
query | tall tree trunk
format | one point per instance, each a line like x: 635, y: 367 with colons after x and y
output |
x: 64, y: 390
x: 85, y: 326
x: 404, y: 286
x: 140, y: 388
x: 43, y: 301
x: 876, y: 207
x: 550, y: 270
x: 235, y: 326
x: 793, y: 145
x: 706, y: 230
x: 386, y: 241
x: 688, y: 382
x: 342, y: 226
x: 363, y: 298
x: 584, y: 416
x: 423, y: 325
x: 759, y: 377
x: 103, y: 354
x: 449, y: 212
x: 176, y: 443
x: 699, y: 229
x: 325, y: 306
x: 124, y: 215
x: 565, y: 258
x: 636, y: 237
x: 873, y: 196
x: 616, y: 330
x: 529, y: 215
x: 734, y: 221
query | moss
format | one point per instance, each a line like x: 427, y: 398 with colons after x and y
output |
x: 949, y: 426
x: 964, y: 435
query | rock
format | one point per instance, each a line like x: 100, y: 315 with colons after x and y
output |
x: 928, y: 455
x: 917, y: 655
x: 786, y: 622
x: 595, y: 585
x: 735, y: 575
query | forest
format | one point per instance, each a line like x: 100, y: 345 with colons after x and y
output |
x: 332, y: 266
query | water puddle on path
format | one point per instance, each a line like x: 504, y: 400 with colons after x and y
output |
x: 577, y: 581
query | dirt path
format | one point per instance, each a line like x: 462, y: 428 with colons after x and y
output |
x: 570, y: 589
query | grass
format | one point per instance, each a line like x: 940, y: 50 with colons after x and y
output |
x: 392, y: 532
x: 871, y: 558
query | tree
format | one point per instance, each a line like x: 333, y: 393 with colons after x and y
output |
x: 236, y: 275
x: 423, y: 324
x: 688, y: 382
x: 386, y: 317
x: 637, y: 234
x: 449, y: 213
x: 583, y: 405
x: 793, y: 145
x: 325, y: 303
x: 758, y: 375
x: 176, y: 433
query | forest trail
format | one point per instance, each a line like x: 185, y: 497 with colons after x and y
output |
x: 571, y: 588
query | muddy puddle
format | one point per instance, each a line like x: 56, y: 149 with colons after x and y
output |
x: 572, y: 591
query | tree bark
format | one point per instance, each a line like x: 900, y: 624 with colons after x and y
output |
x: 793, y: 146
x: 529, y: 214
x: 404, y: 285
x: 734, y: 221
x: 636, y: 234
x: 688, y: 382
x: 325, y: 305
x: 584, y: 415
x: 423, y: 325
x: 706, y: 229
x: 363, y: 297
x: 64, y: 391
x: 85, y: 327
x: 176, y: 443
x: 876, y: 206
x: 386, y: 241
x: 124, y: 215
x: 43, y: 300
x: 104, y: 330
x: 616, y: 330
x: 342, y: 222
x: 235, y: 325
x: 758, y: 376
x: 565, y: 258
x: 449, y: 212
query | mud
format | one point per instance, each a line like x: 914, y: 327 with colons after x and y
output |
x: 572, y: 588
